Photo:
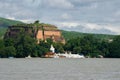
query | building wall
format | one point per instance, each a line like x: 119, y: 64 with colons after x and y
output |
x: 39, y: 35
x: 50, y: 33
x: 55, y: 35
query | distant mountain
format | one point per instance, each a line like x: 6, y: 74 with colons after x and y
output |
x: 7, y: 22
x: 73, y: 34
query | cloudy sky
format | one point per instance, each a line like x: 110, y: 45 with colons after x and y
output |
x: 91, y: 16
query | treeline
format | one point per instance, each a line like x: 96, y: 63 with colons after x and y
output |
x: 25, y: 45
x: 88, y: 46
x: 93, y: 47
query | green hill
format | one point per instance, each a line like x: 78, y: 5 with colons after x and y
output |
x: 72, y: 34
x: 4, y: 23
x: 7, y: 22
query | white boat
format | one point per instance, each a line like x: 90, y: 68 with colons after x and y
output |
x: 65, y: 55
x: 28, y: 56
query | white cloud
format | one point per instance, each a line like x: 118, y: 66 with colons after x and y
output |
x: 65, y: 4
x: 12, y: 18
x: 66, y: 16
x: 69, y: 24
x: 80, y: 15
x: 27, y: 21
x: 90, y: 27
x: 113, y: 28
x: 93, y: 26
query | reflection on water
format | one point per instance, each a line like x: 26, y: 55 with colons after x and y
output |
x: 59, y: 69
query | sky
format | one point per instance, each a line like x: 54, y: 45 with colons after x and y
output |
x: 88, y: 16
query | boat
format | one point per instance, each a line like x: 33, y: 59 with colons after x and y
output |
x: 28, y: 56
x: 66, y: 55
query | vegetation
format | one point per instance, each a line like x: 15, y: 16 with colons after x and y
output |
x: 2, y: 32
x: 90, y: 45
x: 7, y: 22
x: 72, y: 34
x: 24, y: 44
x: 114, y: 48
x: 87, y: 45
x: 4, y: 23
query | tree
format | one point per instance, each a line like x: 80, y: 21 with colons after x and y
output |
x: 7, y: 52
x: 25, y: 46
x: 9, y: 42
x: 103, y: 48
x: 87, y: 45
x: 1, y: 43
x: 36, y: 22
x: 58, y: 47
x: 114, y: 48
x: 77, y: 50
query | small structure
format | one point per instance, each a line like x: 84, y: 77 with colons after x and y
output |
x: 28, y: 56
x: 52, y: 49
x: 49, y: 55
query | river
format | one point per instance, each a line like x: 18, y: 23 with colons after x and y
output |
x: 59, y: 69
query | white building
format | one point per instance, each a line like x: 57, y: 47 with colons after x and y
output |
x: 52, y: 49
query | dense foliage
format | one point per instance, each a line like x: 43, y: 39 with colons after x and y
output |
x: 22, y: 47
x: 25, y: 45
x: 88, y: 45
x: 2, y: 32
x: 114, y: 48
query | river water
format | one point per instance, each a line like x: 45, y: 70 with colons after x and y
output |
x: 59, y: 69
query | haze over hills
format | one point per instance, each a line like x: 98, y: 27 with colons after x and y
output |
x: 88, y: 29
x: 4, y: 23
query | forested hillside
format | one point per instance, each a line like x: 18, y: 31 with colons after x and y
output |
x: 4, y: 23
x: 72, y: 34
x: 2, y: 32
x: 7, y: 22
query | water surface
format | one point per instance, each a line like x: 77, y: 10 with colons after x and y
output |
x: 59, y: 69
